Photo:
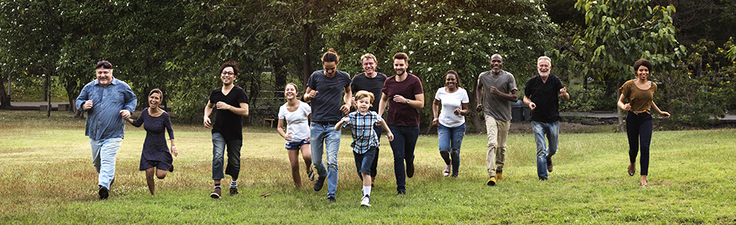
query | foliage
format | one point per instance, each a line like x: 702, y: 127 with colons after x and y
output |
x: 700, y: 90
x: 442, y: 35
x: 621, y: 31
x: 584, y: 100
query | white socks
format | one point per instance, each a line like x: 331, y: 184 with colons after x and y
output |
x: 366, y: 190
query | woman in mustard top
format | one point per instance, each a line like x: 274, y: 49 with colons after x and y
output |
x: 639, y: 93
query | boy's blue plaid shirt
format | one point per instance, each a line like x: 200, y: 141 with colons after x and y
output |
x: 364, y: 136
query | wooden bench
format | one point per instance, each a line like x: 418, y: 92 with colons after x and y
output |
x: 268, y: 120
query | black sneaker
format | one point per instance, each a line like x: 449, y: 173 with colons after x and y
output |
x: 331, y: 199
x: 171, y: 169
x: 410, y: 169
x: 402, y: 192
x: 104, y: 192
x: 320, y: 182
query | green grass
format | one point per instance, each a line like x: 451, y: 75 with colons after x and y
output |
x: 46, y: 177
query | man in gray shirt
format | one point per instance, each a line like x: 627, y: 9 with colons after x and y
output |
x: 495, y: 91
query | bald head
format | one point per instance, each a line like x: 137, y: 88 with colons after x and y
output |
x: 496, y: 64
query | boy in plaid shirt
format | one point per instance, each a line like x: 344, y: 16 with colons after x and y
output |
x: 365, y: 139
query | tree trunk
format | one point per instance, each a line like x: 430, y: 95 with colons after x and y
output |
x: 4, y: 97
x: 307, y: 67
x: 474, y: 115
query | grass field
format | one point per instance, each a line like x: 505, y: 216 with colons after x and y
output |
x: 46, y: 177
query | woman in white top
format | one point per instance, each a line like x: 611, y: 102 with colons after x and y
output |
x: 451, y: 121
x: 295, y: 115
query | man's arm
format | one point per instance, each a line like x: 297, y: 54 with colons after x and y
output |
x: 207, y: 111
x: 347, y: 97
x: 479, y: 95
x: 382, y: 104
x: 418, y: 101
x: 511, y: 97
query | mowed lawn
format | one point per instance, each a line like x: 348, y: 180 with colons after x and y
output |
x: 46, y: 177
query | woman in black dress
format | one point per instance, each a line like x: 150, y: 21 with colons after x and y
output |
x: 155, y: 157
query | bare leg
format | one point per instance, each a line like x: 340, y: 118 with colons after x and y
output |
x: 643, y: 181
x: 294, y: 161
x: 307, y: 155
x: 366, y: 179
x: 150, y: 181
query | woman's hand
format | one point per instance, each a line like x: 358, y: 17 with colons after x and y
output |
x: 174, y: 152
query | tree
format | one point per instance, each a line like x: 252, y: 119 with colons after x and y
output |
x: 443, y: 35
x: 618, y: 33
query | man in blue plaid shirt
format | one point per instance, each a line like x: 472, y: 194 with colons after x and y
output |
x: 365, y: 139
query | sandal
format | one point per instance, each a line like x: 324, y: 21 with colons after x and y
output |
x: 310, y: 173
x: 632, y: 169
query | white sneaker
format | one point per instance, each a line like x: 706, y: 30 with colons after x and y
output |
x: 366, y: 201
x: 446, y: 172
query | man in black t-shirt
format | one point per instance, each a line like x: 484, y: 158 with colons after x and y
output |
x: 232, y: 104
x: 542, y: 95
x: 370, y: 81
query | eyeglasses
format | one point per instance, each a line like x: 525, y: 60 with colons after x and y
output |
x: 104, y: 64
x: 228, y: 73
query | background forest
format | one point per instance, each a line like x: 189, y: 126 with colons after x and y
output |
x: 177, y: 46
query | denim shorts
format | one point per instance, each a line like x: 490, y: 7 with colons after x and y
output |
x: 296, y: 145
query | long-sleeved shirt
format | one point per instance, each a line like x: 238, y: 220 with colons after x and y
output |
x: 103, y: 119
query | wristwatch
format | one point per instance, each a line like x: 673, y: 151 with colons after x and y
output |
x: 407, y: 101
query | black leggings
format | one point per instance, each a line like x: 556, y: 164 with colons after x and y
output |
x: 639, y: 126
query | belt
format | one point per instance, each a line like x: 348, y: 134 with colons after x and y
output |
x: 325, y: 123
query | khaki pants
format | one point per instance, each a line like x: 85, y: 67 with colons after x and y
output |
x: 498, y: 132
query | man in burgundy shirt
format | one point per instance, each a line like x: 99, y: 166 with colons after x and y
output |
x: 404, y: 95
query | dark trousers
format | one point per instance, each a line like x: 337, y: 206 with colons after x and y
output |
x: 405, y: 140
x: 639, y: 131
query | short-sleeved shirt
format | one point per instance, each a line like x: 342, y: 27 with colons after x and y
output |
x: 373, y: 85
x: 297, y: 122
x: 326, y: 104
x: 546, y: 96
x: 155, y: 148
x: 364, y: 134
x: 103, y: 119
x: 450, y: 102
x: 639, y: 100
x: 493, y: 105
x: 400, y: 113
x: 227, y: 123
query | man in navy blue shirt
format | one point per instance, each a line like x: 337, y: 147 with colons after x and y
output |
x: 324, y: 89
x: 107, y: 101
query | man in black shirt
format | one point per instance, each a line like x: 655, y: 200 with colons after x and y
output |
x: 541, y: 95
x: 232, y: 104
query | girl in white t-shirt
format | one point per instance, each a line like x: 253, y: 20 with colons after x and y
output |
x: 451, y: 121
x: 295, y: 115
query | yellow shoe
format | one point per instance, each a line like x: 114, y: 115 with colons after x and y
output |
x: 491, y: 182
x: 499, y: 176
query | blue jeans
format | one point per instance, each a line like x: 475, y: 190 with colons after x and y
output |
x: 325, y: 135
x: 405, y: 139
x: 450, y: 139
x: 363, y: 161
x: 544, y: 153
x: 639, y: 129
x: 104, y: 152
x: 218, y: 157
